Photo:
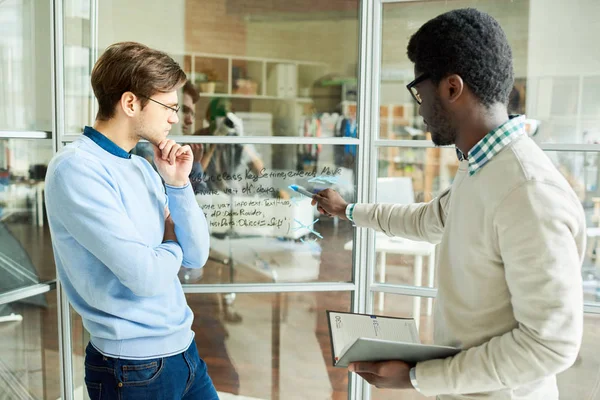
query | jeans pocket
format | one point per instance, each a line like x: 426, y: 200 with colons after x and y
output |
x: 141, y: 372
x: 94, y: 390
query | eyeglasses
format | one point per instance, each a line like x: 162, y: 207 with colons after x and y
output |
x: 174, y: 109
x: 413, y: 90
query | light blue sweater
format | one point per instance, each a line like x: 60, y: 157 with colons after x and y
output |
x: 106, y: 211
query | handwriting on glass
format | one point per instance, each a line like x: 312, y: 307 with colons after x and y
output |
x: 256, y: 183
x: 262, y: 200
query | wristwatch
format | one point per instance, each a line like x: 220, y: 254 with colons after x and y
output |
x: 349, y: 211
x: 413, y: 378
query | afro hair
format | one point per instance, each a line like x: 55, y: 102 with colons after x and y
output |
x: 471, y: 44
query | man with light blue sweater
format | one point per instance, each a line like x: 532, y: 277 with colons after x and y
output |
x: 120, y: 236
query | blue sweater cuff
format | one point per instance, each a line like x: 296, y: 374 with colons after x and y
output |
x: 178, y: 187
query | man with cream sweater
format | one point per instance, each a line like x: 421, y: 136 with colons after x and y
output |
x: 510, y: 230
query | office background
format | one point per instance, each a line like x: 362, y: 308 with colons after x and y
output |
x: 320, y: 88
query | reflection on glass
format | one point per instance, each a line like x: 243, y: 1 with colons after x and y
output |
x: 261, y: 57
x: 261, y: 229
x: 279, y: 348
x: 25, y: 248
x: 29, y: 349
x: 578, y: 382
x: 582, y: 172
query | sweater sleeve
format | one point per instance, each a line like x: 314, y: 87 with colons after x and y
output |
x: 90, y: 210
x: 538, y: 227
x: 420, y: 221
x: 191, y: 227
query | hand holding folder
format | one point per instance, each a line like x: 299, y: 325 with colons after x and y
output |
x: 362, y: 337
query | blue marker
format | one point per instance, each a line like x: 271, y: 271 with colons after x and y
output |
x: 301, y: 190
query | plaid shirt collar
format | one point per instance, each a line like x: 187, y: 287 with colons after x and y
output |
x: 493, y: 142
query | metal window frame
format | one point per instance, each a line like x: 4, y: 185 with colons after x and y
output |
x: 249, y: 139
x: 269, y: 287
x: 65, y: 340
x: 428, y: 144
x: 27, y: 291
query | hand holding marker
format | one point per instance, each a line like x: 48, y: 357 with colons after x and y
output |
x: 305, y: 192
x: 301, y: 190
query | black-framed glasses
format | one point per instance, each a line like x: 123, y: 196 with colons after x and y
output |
x: 174, y: 109
x: 413, y: 90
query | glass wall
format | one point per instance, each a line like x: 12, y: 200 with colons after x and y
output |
x: 25, y: 73
x: 258, y: 62
x: 294, y: 107
x: 28, y: 319
x: 278, y: 348
x: 29, y: 348
x: 262, y: 230
x: 25, y: 147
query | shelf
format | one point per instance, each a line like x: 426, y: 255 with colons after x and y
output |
x: 257, y: 97
x: 260, y: 59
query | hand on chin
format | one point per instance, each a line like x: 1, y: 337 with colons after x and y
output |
x: 173, y: 162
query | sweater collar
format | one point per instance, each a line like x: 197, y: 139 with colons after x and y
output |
x: 492, y: 143
x: 105, y: 143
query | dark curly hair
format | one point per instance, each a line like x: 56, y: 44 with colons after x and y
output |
x: 471, y: 44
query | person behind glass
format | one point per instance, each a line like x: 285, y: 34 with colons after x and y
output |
x: 120, y: 236
x: 227, y: 159
x: 510, y: 230
x: 187, y: 112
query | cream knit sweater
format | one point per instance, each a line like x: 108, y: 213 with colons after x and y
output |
x: 511, y: 242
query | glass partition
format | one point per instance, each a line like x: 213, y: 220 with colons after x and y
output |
x: 25, y: 67
x: 29, y: 348
x: 25, y: 147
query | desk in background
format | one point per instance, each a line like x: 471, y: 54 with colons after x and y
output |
x: 394, y: 245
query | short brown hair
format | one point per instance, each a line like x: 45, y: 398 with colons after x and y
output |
x: 132, y: 67
x: 190, y: 89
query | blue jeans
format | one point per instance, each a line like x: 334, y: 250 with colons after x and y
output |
x: 182, y: 376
